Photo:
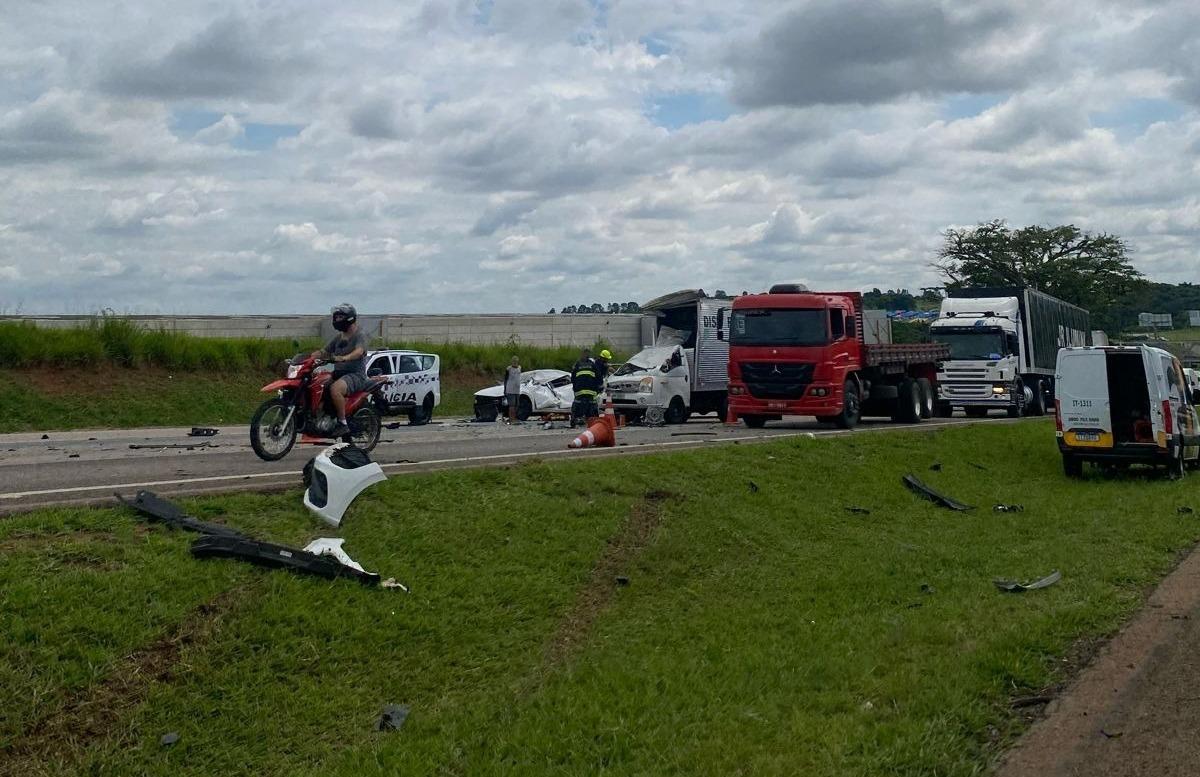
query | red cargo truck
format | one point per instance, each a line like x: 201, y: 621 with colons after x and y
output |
x: 798, y: 352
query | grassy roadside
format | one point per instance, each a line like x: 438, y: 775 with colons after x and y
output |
x: 764, y: 631
x: 114, y: 374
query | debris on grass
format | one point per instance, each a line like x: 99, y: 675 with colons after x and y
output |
x: 753, y: 486
x: 919, y: 488
x: 858, y: 510
x: 977, y: 466
x: 169, y: 739
x: 935, y: 466
x: 1003, y: 508
x: 160, y: 510
x: 391, y: 582
x: 1029, y: 701
x: 622, y: 580
x: 1185, y: 510
x: 267, y: 554
x: 393, y: 717
x: 926, y: 588
x: 1012, y: 586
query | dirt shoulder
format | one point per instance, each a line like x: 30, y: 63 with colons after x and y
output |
x: 1135, y: 710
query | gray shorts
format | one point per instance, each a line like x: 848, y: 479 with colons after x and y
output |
x: 355, y: 382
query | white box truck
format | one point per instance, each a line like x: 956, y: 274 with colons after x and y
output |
x: 1004, y: 343
x: 686, y: 370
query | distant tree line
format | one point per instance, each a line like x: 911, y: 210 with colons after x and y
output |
x: 596, y: 307
x: 902, y: 299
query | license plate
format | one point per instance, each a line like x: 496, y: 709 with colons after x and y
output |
x: 777, y: 405
x: 1087, y: 437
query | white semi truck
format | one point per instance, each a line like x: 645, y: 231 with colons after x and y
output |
x: 1004, y: 343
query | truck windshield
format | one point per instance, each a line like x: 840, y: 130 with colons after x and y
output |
x: 972, y: 345
x: 782, y: 326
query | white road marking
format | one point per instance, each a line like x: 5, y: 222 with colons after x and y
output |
x: 497, y: 456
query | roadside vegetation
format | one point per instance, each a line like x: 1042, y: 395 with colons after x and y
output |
x: 717, y: 611
x: 113, y: 373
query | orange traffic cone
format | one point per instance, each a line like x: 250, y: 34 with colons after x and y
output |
x: 599, y: 435
x: 730, y: 416
x: 610, y: 414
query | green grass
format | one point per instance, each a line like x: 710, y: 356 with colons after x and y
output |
x: 111, y: 373
x: 770, y: 632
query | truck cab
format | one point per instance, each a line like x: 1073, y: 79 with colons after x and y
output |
x: 985, y: 347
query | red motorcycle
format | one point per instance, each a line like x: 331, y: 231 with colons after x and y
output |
x: 303, y: 406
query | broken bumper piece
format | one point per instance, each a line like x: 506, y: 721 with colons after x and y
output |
x: 335, y: 477
x: 160, y: 510
x: 919, y: 488
x: 267, y: 554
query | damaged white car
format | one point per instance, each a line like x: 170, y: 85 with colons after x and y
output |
x: 542, y: 392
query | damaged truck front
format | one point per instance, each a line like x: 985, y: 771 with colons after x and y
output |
x: 685, y: 371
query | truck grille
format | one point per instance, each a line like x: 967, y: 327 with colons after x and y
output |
x: 966, y: 390
x: 953, y: 373
x: 776, y: 380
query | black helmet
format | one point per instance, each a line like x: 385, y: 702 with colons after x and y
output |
x: 344, y: 316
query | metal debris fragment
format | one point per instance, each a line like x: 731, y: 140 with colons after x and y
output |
x: 1012, y: 586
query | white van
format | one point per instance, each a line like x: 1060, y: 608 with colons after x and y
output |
x: 1116, y: 405
x: 415, y: 386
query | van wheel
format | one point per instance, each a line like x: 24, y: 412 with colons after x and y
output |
x: 1072, y: 467
x: 1176, y: 468
x: 677, y: 412
x: 928, y: 400
x: 1038, y: 406
x: 419, y: 416
x: 908, y: 403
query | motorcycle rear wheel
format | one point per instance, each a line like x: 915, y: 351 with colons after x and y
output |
x: 269, y: 438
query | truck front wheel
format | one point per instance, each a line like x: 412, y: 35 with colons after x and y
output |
x: 755, y: 421
x: 1038, y: 405
x: 851, y: 406
x: 928, y: 397
x: 1018, y: 409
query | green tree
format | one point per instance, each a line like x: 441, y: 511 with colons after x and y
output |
x: 1089, y: 270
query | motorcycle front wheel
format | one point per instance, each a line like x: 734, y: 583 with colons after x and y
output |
x: 365, y: 427
x: 270, y: 437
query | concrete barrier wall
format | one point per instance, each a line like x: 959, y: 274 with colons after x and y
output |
x: 622, y: 331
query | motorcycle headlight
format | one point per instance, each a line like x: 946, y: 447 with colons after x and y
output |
x: 646, y: 386
x: 293, y: 370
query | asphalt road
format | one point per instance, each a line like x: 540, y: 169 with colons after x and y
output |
x: 86, y: 467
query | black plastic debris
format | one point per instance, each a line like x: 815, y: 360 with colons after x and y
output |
x: 858, y: 510
x: 1012, y: 586
x: 622, y: 580
x: 173, y: 446
x: 203, y: 431
x: 935, y: 466
x: 160, y: 510
x: 753, y: 486
x: 919, y: 488
x: 72, y: 455
x: 977, y: 466
x: 1029, y: 701
x: 393, y: 425
x: 1003, y: 508
x: 926, y: 588
x: 393, y: 717
x: 272, y: 556
x: 45, y: 437
x: 1185, y: 510
x: 169, y: 739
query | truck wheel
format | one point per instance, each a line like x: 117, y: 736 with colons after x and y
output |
x: 927, y: 397
x: 677, y: 412
x: 755, y: 421
x: 1017, y: 410
x: 851, y: 406
x: 907, y: 409
x: 1038, y: 405
x: 1072, y: 467
x: 943, y: 410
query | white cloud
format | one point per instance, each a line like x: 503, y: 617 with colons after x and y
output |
x: 458, y: 156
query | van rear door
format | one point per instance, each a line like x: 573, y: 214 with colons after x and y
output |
x: 1081, y: 389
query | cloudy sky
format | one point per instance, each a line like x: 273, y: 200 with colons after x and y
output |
x: 514, y: 155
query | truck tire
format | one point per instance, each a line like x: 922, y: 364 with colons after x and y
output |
x: 677, y: 412
x: 1038, y: 405
x: 907, y: 409
x: 1072, y: 467
x: 1019, y: 409
x: 755, y: 421
x: 851, y: 406
x: 928, y: 398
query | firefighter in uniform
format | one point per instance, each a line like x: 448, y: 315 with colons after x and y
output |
x: 585, y: 381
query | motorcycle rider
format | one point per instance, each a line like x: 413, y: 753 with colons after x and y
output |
x: 347, y: 351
